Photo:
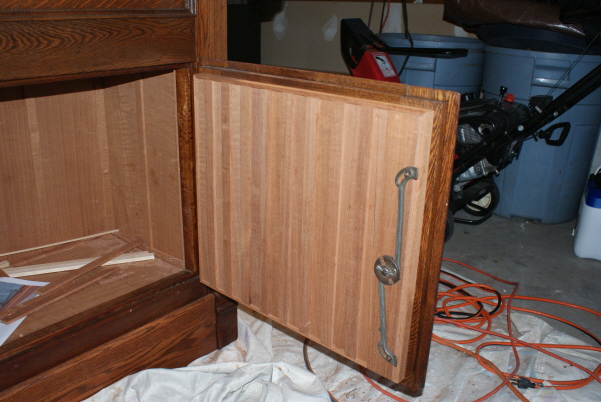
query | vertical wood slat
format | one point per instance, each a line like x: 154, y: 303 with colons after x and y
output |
x: 52, y: 176
x: 127, y: 155
x: 162, y: 163
x: 321, y: 209
x: 141, y: 118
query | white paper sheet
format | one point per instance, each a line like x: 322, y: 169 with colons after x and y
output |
x: 6, y: 330
x: 266, y: 364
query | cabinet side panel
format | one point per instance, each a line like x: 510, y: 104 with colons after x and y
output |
x: 127, y: 160
x: 322, y: 208
x: 52, y: 165
x: 162, y: 161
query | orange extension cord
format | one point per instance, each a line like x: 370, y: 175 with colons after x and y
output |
x: 452, y: 300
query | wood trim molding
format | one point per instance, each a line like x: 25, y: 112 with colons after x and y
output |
x: 79, y: 46
x: 211, y: 29
x: 32, y: 9
x: 187, y: 161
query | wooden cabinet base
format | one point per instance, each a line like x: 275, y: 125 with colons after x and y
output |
x: 173, y: 340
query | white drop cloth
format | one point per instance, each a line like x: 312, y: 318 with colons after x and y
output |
x: 266, y: 364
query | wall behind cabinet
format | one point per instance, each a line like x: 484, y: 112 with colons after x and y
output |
x: 298, y: 32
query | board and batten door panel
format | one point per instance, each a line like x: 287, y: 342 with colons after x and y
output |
x: 297, y: 200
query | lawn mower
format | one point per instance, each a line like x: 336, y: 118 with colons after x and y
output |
x: 490, y: 132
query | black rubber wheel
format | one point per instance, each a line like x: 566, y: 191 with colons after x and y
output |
x: 448, y: 233
x: 485, y: 204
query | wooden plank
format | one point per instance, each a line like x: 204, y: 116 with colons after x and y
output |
x: 93, y: 74
x: 51, y: 267
x: 127, y: 162
x: 22, y: 294
x: 158, y: 98
x: 26, y: 258
x: 326, y: 226
x: 63, y: 347
x: 87, y: 5
x: 445, y: 106
x: 19, y: 204
x: 101, y: 44
x: 226, y: 315
x: 90, y: 266
x: 82, y: 307
x: 171, y: 341
x: 38, y: 303
x: 187, y: 165
x: 211, y: 29
x: 61, y: 242
x: 432, y: 238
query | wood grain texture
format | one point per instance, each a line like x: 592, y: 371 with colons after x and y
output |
x: 22, y: 294
x: 170, y: 341
x: 88, y: 45
x: 20, y: 257
x: 52, y: 267
x: 445, y: 106
x: 298, y: 201
x: 91, y: 266
x: 83, y: 157
x: 187, y: 166
x: 38, y: 303
x: 211, y: 29
x: 65, y: 346
x: 78, y: 5
x: 93, y: 74
x: 161, y: 142
x: 439, y: 183
x: 142, y: 139
x: 226, y: 316
x: 50, y: 166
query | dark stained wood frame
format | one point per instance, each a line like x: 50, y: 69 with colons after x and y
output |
x: 75, y: 39
x: 180, y: 335
x: 26, y: 363
x: 113, y: 41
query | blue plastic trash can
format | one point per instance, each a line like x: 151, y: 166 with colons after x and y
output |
x: 545, y: 184
x: 463, y: 74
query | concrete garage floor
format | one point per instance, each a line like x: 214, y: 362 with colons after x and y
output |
x: 540, y: 258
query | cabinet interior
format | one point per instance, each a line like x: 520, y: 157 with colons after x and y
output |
x: 88, y: 156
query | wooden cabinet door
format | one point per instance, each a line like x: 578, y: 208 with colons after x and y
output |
x: 297, y: 200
